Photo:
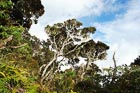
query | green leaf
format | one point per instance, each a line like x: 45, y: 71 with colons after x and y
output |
x: 2, y: 74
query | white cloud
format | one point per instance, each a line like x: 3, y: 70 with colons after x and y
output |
x: 61, y: 10
x: 38, y: 30
x: 123, y: 35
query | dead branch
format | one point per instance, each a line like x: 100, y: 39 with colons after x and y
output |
x: 115, y: 68
x: 19, y: 46
x: 114, y: 60
x: 4, y: 42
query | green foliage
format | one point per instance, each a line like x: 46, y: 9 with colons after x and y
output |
x: 5, y: 4
x: 136, y: 61
x: 15, y: 49
x: 126, y: 79
x: 64, y: 82
x: 4, y: 16
x: 23, y: 10
x: 11, y: 78
x: 12, y: 30
x: 130, y: 81
x: 16, y: 80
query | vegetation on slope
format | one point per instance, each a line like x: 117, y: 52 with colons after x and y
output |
x: 28, y: 65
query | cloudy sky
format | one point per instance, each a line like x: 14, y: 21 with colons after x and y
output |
x: 117, y: 23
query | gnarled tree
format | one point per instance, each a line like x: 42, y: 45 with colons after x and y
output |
x: 70, y: 43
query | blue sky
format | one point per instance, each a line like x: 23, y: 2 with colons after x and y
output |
x: 117, y: 23
x: 106, y: 16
